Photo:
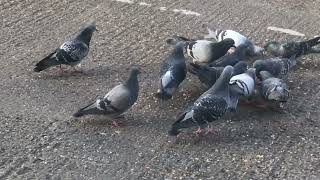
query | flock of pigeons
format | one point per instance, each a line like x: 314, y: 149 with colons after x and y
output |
x: 220, y: 61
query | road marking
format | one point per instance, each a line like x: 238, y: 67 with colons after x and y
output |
x: 288, y: 31
x: 145, y: 4
x: 182, y: 11
x: 186, y: 12
x: 162, y: 8
x: 125, y: 1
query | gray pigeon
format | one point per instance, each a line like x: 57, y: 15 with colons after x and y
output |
x: 231, y: 59
x: 272, y: 88
x: 210, y: 106
x: 241, y: 85
x: 278, y: 67
x: 173, y: 72
x: 70, y: 52
x: 292, y: 48
x: 117, y: 101
x: 238, y: 38
x: 208, y: 75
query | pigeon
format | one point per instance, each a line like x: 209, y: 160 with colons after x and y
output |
x: 70, y: 52
x: 272, y: 88
x: 278, y: 67
x: 173, y: 72
x: 238, y: 38
x: 117, y: 101
x: 208, y: 75
x: 230, y: 59
x: 287, y: 50
x: 210, y: 106
x: 241, y: 85
x: 204, y: 51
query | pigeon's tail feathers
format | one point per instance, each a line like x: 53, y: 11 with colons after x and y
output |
x: 46, y: 63
x: 181, y: 38
x: 211, y: 34
x: 292, y: 61
x: 184, y: 120
x: 91, y: 111
x: 83, y: 111
x: 258, y: 50
x: 313, y: 42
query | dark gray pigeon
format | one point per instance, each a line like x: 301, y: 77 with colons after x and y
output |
x: 210, y: 106
x: 292, y: 48
x: 241, y: 85
x: 173, y: 72
x: 231, y: 59
x: 272, y: 88
x: 278, y: 67
x: 116, y: 101
x: 208, y: 75
x: 70, y: 52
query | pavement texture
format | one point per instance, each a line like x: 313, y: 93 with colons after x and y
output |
x: 40, y: 139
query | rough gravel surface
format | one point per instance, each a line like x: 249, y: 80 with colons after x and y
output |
x: 40, y: 139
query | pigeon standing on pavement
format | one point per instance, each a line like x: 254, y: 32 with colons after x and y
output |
x: 231, y: 59
x: 273, y: 89
x: 241, y: 85
x: 172, y: 72
x: 70, y: 52
x: 117, y: 101
x: 292, y: 48
x: 210, y: 106
x: 278, y: 67
x: 208, y: 75
x: 238, y: 38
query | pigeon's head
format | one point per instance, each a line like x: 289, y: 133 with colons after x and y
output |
x: 228, y: 43
x: 135, y: 70
x: 259, y: 66
x: 86, y: 33
x: 240, y: 68
x: 279, y: 93
x: 272, y: 46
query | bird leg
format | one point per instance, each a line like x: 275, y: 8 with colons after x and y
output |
x: 115, y: 124
x: 62, y: 71
x: 200, y: 131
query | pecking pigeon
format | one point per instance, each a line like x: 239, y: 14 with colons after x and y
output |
x: 241, y: 85
x: 292, y: 48
x: 116, y: 101
x: 172, y: 72
x: 70, y: 52
x: 273, y: 89
x: 238, y: 38
x: 230, y: 59
x: 210, y: 106
x: 278, y: 67
x: 208, y: 75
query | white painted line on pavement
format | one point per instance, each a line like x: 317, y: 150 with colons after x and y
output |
x: 288, y: 31
x: 125, y: 1
x: 182, y: 11
x: 145, y: 4
x: 186, y: 12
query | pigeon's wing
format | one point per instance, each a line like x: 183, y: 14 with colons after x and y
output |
x: 209, y: 108
x: 118, y: 98
x: 73, y: 51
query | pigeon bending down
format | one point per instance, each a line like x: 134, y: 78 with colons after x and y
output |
x: 70, y: 52
x: 209, y: 75
x: 204, y: 51
x: 273, y: 89
x: 278, y: 67
x: 210, y: 106
x: 292, y: 48
x: 230, y: 59
x: 116, y: 101
x: 241, y: 85
x: 172, y: 72
x: 238, y: 38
